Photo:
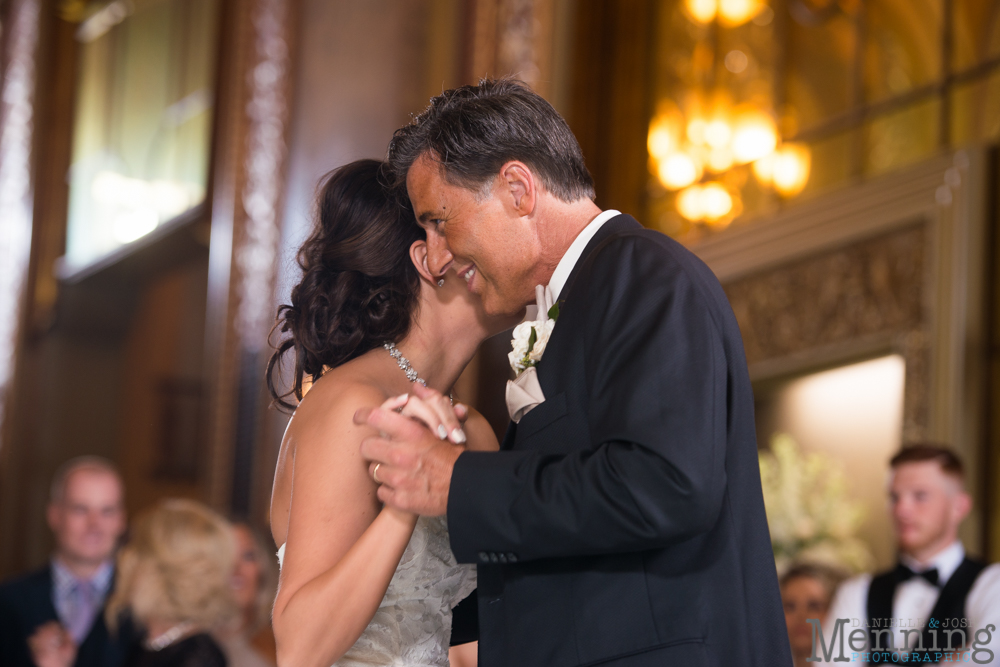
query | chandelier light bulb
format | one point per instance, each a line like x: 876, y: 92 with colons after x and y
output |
x: 754, y: 135
x: 716, y: 202
x: 790, y: 169
x: 720, y: 159
x: 689, y: 203
x: 763, y: 169
x: 737, y: 12
x: 678, y: 170
x: 702, y: 11
x: 662, y: 138
x: 718, y: 133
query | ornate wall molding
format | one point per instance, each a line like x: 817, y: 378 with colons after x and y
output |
x: 897, y: 264
x: 16, y: 121
x: 864, y: 298
x: 250, y: 163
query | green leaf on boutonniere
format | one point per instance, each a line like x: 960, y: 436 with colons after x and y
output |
x: 554, y: 311
x: 532, y: 339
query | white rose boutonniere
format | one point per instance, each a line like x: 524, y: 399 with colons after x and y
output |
x: 528, y: 344
x: 524, y: 393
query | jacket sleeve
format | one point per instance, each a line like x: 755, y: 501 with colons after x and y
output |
x: 653, y: 471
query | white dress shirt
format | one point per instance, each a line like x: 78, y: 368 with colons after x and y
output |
x: 914, y: 600
x: 573, y: 253
x: 568, y: 262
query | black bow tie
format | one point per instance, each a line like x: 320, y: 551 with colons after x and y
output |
x: 903, y: 573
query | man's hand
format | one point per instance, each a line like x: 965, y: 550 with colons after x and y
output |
x: 413, y: 464
x: 52, y: 646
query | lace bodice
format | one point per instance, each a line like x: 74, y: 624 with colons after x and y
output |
x: 412, y: 626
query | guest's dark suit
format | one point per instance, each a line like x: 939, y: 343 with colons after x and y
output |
x: 622, y: 523
x: 26, y: 603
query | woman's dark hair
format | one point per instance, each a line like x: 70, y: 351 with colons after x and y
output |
x: 358, y: 288
x: 474, y: 130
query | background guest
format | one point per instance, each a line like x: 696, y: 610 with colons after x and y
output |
x: 806, y: 591
x: 53, y: 617
x: 174, y: 578
x: 249, y: 641
x: 934, y: 577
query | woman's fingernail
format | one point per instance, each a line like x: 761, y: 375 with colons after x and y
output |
x: 403, y: 397
x: 442, y: 432
x: 458, y: 435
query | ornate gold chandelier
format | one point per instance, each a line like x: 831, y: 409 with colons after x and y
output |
x: 692, y: 144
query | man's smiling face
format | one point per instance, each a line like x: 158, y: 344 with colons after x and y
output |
x: 487, y: 241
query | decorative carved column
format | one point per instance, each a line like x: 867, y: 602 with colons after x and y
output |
x: 515, y: 37
x: 249, y: 177
x: 20, y: 41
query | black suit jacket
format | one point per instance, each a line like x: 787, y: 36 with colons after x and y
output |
x: 26, y: 603
x: 622, y: 522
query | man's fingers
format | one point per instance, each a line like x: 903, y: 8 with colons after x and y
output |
x: 395, y: 402
x: 387, y: 421
x: 417, y: 409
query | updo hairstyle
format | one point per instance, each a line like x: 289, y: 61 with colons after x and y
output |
x: 359, y: 288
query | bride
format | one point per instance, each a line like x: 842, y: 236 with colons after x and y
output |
x: 363, y: 584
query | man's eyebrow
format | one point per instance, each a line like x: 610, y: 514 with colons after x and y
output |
x: 426, y: 216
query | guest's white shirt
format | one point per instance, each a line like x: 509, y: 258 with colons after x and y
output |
x: 915, y: 598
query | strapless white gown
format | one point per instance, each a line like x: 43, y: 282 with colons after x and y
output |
x: 412, y: 627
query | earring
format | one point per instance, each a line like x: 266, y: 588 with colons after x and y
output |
x: 441, y: 282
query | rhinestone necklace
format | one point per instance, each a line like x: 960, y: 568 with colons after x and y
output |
x: 406, y: 367
x: 169, y: 637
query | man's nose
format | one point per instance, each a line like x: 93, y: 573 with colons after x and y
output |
x: 439, y: 257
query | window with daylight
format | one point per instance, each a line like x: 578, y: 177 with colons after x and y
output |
x: 142, y: 122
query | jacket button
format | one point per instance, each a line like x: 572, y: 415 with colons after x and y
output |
x: 484, y: 557
x: 494, y: 558
x: 511, y: 558
x: 503, y: 558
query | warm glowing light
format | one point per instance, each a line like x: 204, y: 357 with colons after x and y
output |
x: 736, y: 61
x: 659, y: 142
x: 663, y: 134
x: 711, y: 202
x: 696, y: 131
x: 702, y: 11
x: 689, y: 203
x: 754, y: 134
x: 763, y: 169
x: 678, y: 170
x: 737, y: 12
x: 719, y: 159
x: 716, y: 201
x: 790, y: 169
x: 718, y: 133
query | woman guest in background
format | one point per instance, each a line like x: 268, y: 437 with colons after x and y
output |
x: 248, y: 641
x: 174, y: 579
x: 806, y: 592
x: 362, y: 584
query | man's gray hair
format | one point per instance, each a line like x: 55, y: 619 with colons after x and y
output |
x: 57, y: 492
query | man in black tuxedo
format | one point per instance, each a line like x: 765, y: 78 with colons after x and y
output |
x: 622, y: 523
x: 54, y: 617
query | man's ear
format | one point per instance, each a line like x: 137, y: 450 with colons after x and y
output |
x: 519, y: 182
x: 962, y: 506
x: 418, y: 255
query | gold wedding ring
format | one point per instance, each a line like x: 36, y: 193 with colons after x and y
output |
x: 375, y: 473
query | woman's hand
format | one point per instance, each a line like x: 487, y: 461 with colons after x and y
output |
x: 434, y: 411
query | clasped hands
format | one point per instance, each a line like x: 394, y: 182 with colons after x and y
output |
x: 412, y: 458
